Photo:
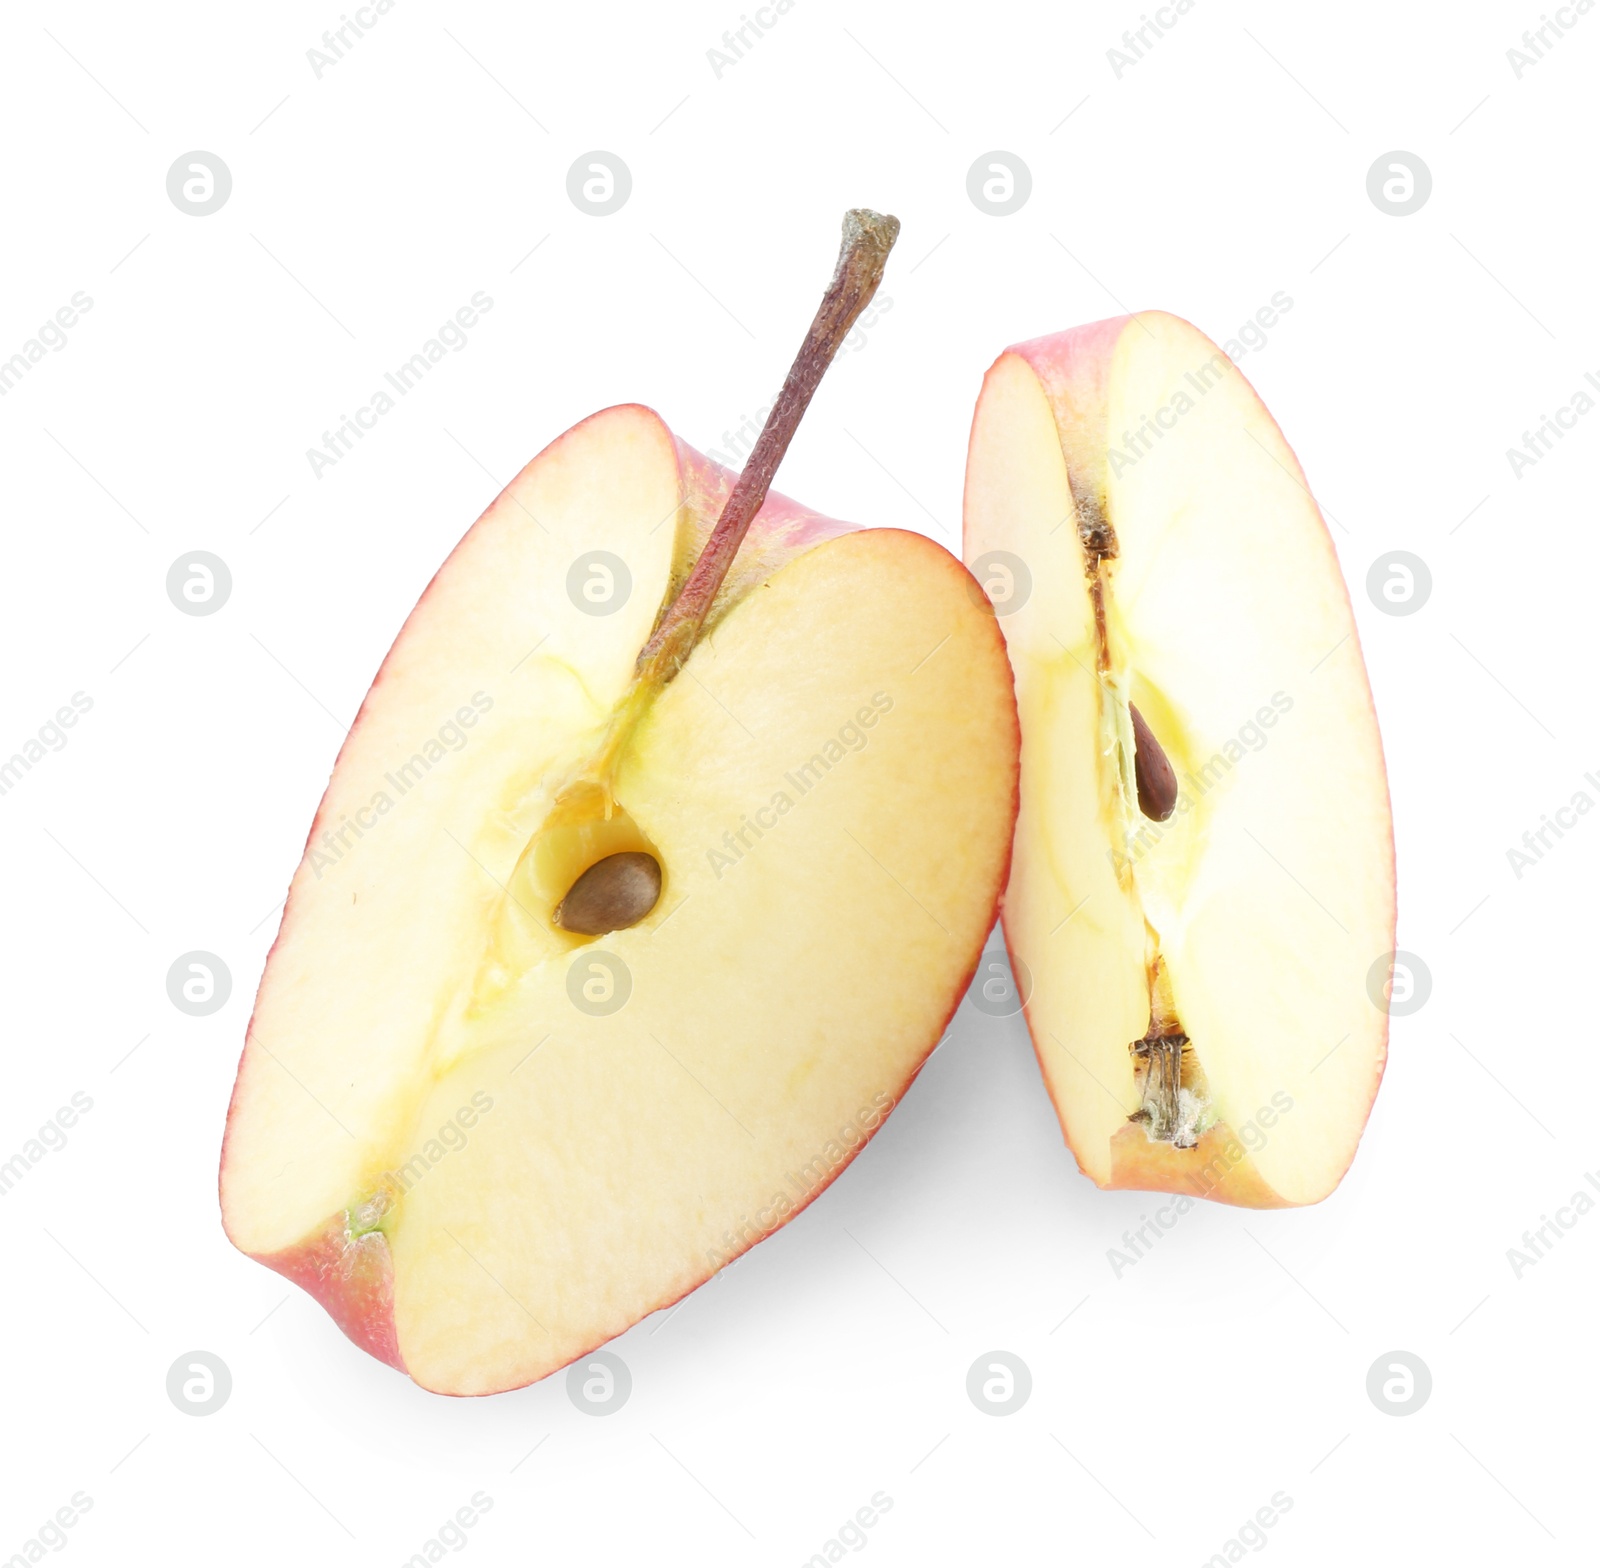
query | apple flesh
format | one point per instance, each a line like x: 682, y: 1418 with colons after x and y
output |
x: 488, y: 1142
x: 1199, y: 941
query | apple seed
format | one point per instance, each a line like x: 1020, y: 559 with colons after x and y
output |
x: 1158, y: 784
x: 611, y: 895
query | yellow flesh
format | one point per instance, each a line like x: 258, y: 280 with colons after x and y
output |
x: 777, y: 1009
x: 1270, y: 897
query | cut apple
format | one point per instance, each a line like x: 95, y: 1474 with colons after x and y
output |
x: 1203, y: 877
x: 444, y: 1126
x: 600, y: 964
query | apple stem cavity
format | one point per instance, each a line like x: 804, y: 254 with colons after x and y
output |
x: 863, y: 251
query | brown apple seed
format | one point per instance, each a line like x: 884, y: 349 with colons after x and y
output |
x: 1158, y: 784
x: 611, y: 895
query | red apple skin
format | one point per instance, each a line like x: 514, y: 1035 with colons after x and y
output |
x: 1075, y: 365
x: 780, y: 519
x: 1218, y: 1167
x: 352, y: 1277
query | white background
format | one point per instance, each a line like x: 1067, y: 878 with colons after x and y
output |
x: 830, y: 1364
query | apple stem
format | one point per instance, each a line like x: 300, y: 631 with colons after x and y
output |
x: 868, y: 238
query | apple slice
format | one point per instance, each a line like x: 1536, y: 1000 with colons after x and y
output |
x: 1203, y: 878
x: 506, y: 1089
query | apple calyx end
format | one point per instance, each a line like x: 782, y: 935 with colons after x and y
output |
x: 1173, y: 1110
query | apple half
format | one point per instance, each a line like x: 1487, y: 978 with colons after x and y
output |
x: 1203, y: 878
x: 488, y: 1142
